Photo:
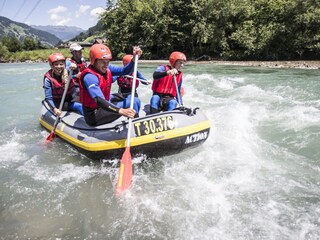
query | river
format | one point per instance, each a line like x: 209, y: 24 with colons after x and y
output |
x: 256, y: 177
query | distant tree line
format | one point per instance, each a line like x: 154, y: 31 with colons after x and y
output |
x: 10, y: 44
x: 222, y: 29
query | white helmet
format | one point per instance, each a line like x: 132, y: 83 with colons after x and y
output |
x: 75, y: 47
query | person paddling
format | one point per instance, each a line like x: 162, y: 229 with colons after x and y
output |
x: 123, y: 98
x: 54, y: 82
x: 78, y: 59
x: 95, y: 86
x: 164, y: 88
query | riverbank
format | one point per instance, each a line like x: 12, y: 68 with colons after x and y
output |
x: 273, y: 64
x: 268, y: 64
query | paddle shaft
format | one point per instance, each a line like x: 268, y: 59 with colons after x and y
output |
x: 178, y: 92
x: 133, y: 91
x: 139, y: 79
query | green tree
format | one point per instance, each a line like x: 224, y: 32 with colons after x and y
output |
x: 3, y: 52
x: 31, y: 44
x: 12, y: 44
x: 228, y: 29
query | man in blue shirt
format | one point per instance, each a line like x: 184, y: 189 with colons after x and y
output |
x: 95, y: 86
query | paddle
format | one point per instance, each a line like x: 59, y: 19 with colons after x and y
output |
x: 178, y: 93
x: 51, y: 135
x: 139, y: 79
x: 125, y: 171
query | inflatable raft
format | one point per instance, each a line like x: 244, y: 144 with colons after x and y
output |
x: 154, y: 135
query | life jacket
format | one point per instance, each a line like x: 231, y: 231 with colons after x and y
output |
x: 80, y: 67
x: 58, y: 87
x: 125, y: 83
x: 166, y: 84
x: 105, y: 82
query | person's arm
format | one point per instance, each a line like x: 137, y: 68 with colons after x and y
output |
x: 91, y: 83
x: 72, y: 66
x: 129, y: 68
x: 114, y: 78
x: 179, y: 87
x: 159, y: 73
x: 49, y: 97
x: 119, y: 71
x: 139, y: 76
x: 48, y: 93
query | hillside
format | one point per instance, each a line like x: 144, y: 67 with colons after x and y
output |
x: 21, y: 30
x: 92, y: 33
x: 65, y: 33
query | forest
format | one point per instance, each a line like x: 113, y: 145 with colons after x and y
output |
x: 215, y: 29
x: 202, y: 29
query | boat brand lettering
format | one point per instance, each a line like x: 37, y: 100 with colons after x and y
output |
x: 196, y: 137
x: 154, y: 125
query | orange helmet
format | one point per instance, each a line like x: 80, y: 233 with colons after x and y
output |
x: 126, y: 59
x: 54, y: 57
x: 99, y: 51
x: 174, y: 56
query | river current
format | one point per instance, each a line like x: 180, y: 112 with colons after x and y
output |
x: 256, y: 177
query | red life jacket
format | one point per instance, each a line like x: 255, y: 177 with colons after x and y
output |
x: 80, y: 67
x: 166, y: 84
x: 126, y: 83
x: 104, y: 84
x: 58, y: 87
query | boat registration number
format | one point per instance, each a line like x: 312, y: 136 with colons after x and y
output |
x: 154, y: 125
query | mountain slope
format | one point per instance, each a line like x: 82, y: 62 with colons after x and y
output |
x: 21, y: 30
x: 65, y: 33
x: 92, y: 33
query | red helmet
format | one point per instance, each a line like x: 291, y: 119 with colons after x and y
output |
x: 174, y: 56
x: 54, y: 57
x: 99, y: 51
x: 126, y: 59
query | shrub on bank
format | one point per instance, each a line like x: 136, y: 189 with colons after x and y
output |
x: 35, y: 55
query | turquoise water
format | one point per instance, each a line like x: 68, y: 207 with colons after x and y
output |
x: 256, y: 177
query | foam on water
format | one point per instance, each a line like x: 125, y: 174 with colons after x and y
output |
x: 225, y: 186
x: 256, y: 177
x: 11, y: 149
x: 64, y: 173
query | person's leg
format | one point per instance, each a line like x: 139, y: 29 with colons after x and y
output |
x: 77, y: 107
x: 102, y: 116
x: 136, y: 104
x: 172, y: 104
x: 120, y: 104
x: 154, y: 103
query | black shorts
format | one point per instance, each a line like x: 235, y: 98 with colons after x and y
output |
x: 99, y: 116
